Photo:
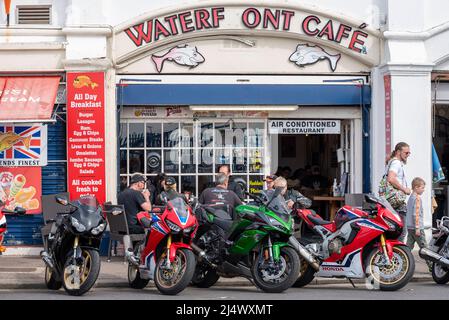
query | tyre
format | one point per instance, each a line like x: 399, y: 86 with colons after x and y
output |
x: 440, y: 274
x: 306, y: 274
x: 51, y: 281
x: 87, y: 272
x: 280, y: 276
x: 172, y: 278
x: 134, y: 279
x: 205, y: 278
x: 392, y: 277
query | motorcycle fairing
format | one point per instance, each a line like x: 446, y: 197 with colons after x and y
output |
x: 350, y: 267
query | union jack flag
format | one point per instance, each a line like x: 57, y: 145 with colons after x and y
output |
x: 19, y: 149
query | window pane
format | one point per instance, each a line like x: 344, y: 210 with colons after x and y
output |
x: 188, y: 184
x: 123, y: 182
x: 171, y: 161
x: 205, y: 161
x: 204, y: 182
x: 154, y: 161
x: 136, y: 135
x: 136, y: 161
x: 256, y: 160
x: 123, y: 135
x: 256, y: 134
x: 187, y: 136
x: 154, y: 135
x: 256, y: 184
x: 239, y: 161
x: 171, y: 135
x: 123, y: 161
x: 221, y: 130
x: 238, y: 137
x: 222, y: 156
x: 188, y: 161
x: 206, y: 135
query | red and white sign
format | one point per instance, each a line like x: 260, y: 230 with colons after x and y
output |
x: 27, y: 98
x: 387, y: 85
x: 85, y: 135
x: 21, y: 187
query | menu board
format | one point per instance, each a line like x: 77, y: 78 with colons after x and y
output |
x: 85, y: 135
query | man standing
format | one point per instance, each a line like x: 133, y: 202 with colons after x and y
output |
x: 221, y: 195
x: 135, y: 199
x: 232, y: 185
x: 396, y: 177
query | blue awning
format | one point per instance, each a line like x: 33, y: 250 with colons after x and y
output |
x: 242, y: 94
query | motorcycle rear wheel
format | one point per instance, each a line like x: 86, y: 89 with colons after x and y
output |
x: 306, y: 274
x: 290, y: 262
x: 440, y: 274
x: 134, y: 279
x: 88, y: 273
x: 402, y: 264
x: 205, y: 278
x: 182, y: 268
x: 50, y: 280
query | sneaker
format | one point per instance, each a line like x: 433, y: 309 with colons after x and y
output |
x: 131, y: 258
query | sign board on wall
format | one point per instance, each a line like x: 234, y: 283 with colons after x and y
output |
x: 21, y: 187
x: 387, y: 85
x: 23, y: 145
x: 296, y: 126
x: 85, y: 135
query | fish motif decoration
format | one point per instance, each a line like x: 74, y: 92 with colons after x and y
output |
x: 182, y: 55
x: 9, y: 139
x: 306, y: 54
x: 84, y: 81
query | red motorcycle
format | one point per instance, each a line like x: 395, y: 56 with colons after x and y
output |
x: 166, y: 256
x: 3, y: 211
x: 357, y: 244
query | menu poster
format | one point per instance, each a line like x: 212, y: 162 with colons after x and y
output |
x: 85, y: 135
x: 21, y: 187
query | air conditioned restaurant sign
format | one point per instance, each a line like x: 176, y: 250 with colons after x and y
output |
x: 296, y: 126
x: 245, y: 20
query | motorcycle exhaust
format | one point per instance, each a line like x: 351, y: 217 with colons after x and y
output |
x: 202, y: 255
x: 427, y: 254
x: 304, y: 253
x: 48, y: 260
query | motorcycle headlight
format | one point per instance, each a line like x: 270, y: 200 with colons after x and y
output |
x: 99, y: 229
x: 190, y: 229
x: 78, y: 225
x: 173, y: 226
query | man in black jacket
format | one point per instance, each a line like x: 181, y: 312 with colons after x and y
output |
x: 232, y: 185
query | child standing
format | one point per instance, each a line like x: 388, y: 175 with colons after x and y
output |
x: 417, y: 228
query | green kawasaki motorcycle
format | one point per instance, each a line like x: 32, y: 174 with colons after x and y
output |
x: 255, y: 245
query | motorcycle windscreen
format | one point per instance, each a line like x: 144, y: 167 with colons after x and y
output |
x: 279, y: 207
x: 181, y: 209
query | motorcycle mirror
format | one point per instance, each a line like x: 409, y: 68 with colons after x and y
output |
x: 19, y: 210
x: 62, y: 200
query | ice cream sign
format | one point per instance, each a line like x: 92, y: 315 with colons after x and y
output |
x: 235, y: 19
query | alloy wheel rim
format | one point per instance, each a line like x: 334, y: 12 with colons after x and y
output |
x: 83, y: 271
x: 389, y: 275
x: 169, y: 277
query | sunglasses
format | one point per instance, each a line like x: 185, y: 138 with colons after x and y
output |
x: 407, y: 153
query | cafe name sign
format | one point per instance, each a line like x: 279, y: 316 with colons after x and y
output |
x: 296, y: 126
x: 238, y: 18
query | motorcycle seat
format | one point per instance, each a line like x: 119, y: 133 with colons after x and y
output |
x: 318, y: 221
x: 219, y: 213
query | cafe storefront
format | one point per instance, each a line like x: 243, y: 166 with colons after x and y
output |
x: 201, y: 86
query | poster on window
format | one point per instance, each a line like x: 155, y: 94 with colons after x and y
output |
x: 21, y: 187
x: 85, y: 135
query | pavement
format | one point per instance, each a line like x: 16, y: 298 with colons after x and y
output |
x: 27, y: 272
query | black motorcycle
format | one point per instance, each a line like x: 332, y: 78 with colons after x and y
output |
x: 438, y: 252
x: 71, y: 253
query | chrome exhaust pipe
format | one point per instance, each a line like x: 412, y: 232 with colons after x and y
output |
x: 428, y: 254
x: 48, y: 260
x: 303, y: 252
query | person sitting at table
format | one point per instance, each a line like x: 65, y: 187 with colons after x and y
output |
x: 291, y: 196
x: 315, y: 181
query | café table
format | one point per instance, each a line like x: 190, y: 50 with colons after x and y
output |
x: 334, y: 204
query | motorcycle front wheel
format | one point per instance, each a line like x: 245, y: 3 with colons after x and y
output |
x: 440, y: 274
x: 173, y: 277
x: 78, y: 279
x: 276, y: 277
x: 393, y: 276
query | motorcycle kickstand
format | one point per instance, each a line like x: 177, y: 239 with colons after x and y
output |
x: 353, y: 285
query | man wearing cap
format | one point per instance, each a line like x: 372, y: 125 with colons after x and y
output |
x: 232, y: 185
x: 135, y: 199
x: 169, y: 192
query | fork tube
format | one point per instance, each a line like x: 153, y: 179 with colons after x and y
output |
x: 270, y: 249
x: 75, y: 246
x: 168, y: 249
x: 384, y: 247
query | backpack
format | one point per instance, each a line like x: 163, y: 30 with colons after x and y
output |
x: 394, y: 196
